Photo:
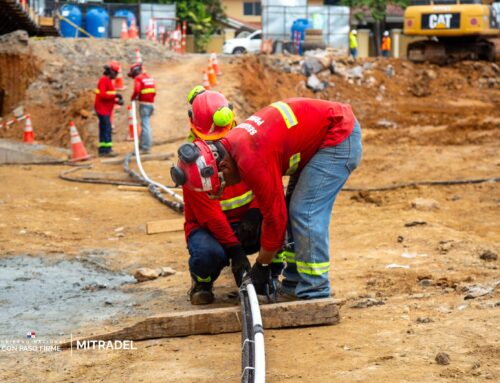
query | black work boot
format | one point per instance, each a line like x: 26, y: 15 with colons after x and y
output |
x: 201, y: 293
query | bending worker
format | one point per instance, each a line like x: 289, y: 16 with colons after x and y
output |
x: 145, y: 92
x: 317, y: 141
x: 105, y: 100
x: 217, y: 232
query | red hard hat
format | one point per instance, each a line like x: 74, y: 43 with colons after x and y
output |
x: 135, y: 70
x: 197, y: 168
x: 114, y: 66
x: 204, y: 108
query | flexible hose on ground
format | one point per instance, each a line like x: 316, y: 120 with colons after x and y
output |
x: 253, y: 361
x: 154, y: 187
x: 424, y: 183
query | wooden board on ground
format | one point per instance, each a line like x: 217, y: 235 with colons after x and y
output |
x: 312, y: 312
x: 144, y: 157
x: 165, y: 226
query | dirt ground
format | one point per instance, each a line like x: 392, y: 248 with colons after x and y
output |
x: 403, y: 266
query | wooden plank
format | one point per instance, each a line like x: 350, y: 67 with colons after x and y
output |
x: 312, y: 312
x: 165, y: 226
x: 144, y: 157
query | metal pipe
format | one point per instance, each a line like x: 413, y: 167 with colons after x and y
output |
x: 138, y: 160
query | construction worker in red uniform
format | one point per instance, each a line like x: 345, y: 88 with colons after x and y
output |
x: 105, y: 100
x: 145, y: 92
x: 218, y: 232
x: 318, y: 144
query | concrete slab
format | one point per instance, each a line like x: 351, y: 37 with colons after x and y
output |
x: 14, y: 152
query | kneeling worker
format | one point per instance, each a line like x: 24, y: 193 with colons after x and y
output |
x: 218, y: 232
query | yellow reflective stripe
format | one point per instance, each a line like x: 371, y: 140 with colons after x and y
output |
x: 200, y: 279
x: 148, y: 90
x: 293, y: 164
x: 97, y: 91
x: 239, y: 201
x: 286, y: 113
x: 312, y: 268
x: 289, y: 256
x: 279, y: 257
x: 111, y: 92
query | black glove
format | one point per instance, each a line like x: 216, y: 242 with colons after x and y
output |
x: 248, y: 230
x: 119, y: 99
x: 262, y: 279
x: 239, y: 263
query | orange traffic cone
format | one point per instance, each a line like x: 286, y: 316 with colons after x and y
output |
x: 119, y: 85
x: 132, y: 32
x: 138, y: 58
x: 29, y: 136
x: 124, y: 33
x: 131, y: 125
x: 206, y: 83
x: 78, y: 152
x: 215, y: 64
x: 211, y: 76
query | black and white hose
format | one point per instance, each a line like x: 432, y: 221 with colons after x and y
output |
x: 253, y: 357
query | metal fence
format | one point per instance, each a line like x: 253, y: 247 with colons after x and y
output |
x: 277, y: 22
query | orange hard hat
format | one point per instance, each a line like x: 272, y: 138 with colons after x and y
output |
x: 211, y: 116
x: 114, y: 66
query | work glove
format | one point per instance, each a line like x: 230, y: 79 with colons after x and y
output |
x: 262, y: 279
x: 248, y: 231
x: 239, y: 263
x: 119, y: 99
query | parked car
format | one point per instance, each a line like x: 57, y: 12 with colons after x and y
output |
x: 248, y: 44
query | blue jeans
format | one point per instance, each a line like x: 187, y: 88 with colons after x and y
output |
x: 354, y: 52
x: 105, y: 139
x: 146, y: 139
x: 310, y: 211
x: 385, y: 53
x: 206, y: 256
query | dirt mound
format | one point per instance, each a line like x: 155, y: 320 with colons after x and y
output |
x: 424, y: 104
x: 54, y: 80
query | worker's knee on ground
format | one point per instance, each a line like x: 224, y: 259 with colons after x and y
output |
x: 206, y: 267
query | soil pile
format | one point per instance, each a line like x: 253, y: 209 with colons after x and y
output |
x: 54, y: 80
x: 424, y: 104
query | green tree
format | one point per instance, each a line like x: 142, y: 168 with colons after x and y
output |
x: 377, y: 9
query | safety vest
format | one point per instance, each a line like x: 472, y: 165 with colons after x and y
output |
x: 386, y: 43
x: 353, y: 41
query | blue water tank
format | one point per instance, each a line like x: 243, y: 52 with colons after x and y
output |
x: 73, y: 14
x: 300, y: 25
x: 128, y: 14
x: 96, y: 22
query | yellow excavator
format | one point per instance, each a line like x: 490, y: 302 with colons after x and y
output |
x: 455, y: 30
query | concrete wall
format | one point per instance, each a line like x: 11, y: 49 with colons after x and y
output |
x: 214, y: 45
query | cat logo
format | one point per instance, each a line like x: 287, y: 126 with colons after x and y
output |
x: 440, y: 21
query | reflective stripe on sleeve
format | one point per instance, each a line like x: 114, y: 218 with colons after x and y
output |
x: 105, y: 144
x: 238, y: 201
x: 148, y: 90
x: 293, y: 164
x: 286, y: 113
x: 312, y: 268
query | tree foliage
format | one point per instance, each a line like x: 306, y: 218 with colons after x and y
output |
x: 377, y: 8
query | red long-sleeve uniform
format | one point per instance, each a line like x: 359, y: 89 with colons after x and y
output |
x: 281, y: 139
x: 201, y: 211
x: 144, y: 88
x: 105, y: 96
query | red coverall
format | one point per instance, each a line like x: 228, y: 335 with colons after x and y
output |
x: 104, y: 103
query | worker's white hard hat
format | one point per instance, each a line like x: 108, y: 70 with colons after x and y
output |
x: 354, y: 32
x: 386, y: 33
